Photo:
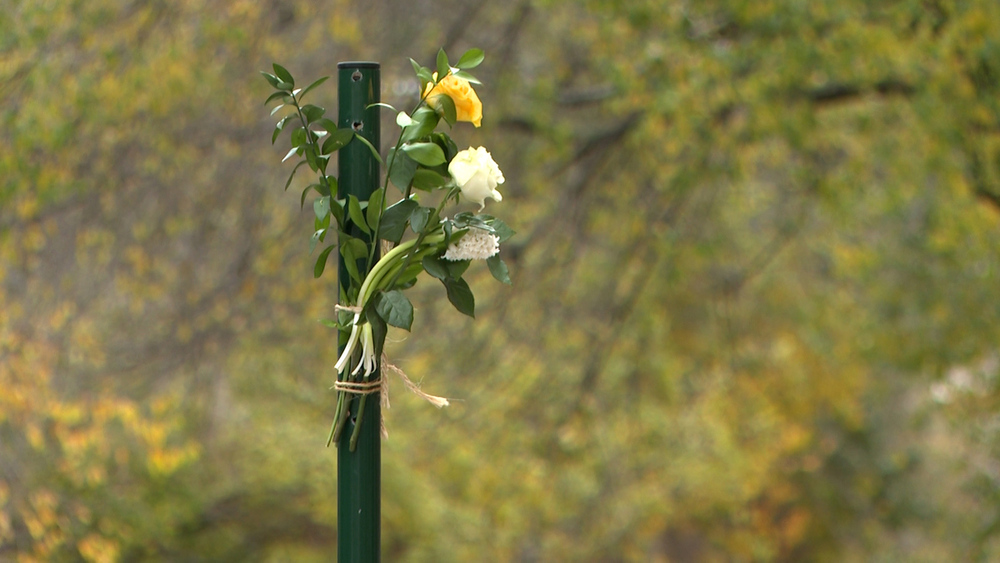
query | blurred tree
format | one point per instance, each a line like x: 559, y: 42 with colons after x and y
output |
x: 756, y: 254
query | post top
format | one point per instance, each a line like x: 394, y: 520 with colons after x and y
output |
x: 358, y: 64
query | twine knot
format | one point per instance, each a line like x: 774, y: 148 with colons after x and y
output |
x: 381, y: 386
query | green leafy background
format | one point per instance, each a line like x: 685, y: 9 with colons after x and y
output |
x: 754, y: 312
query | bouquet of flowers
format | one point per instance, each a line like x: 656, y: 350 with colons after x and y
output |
x: 424, y: 164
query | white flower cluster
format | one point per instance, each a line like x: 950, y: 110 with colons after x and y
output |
x: 477, y: 244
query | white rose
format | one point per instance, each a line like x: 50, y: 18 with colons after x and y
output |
x: 477, y: 175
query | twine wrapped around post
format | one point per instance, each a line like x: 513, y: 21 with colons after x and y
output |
x: 381, y: 386
x: 358, y: 388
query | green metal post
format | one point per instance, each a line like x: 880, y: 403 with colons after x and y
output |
x: 359, y: 473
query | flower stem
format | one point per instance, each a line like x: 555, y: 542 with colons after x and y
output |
x: 374, y: 278
x: 357, y: 424
x: 388, y: 171
x: 338, y: 420
x: 309, y: 141
x: 344, y: 412
x: 424, y: 233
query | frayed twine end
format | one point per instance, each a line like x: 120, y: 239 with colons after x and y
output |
x: 381, y: 386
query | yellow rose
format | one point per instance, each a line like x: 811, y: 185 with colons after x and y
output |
x: 467, y: 104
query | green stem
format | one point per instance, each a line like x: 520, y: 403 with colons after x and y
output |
x: 388, y: 170
x: 378, y: 272
x: 337, y: 420
x: 396, y: 270
x: 420, y: 237
x: 357, y: 423
x: 341, y: 419
x: 309, y: 141
x: 385, y: 191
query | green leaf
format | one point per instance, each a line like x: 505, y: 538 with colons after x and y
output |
x: 436, y: 267
x: 375, y: 208
x: 289, y: 155
x: 336, y: 207
x: 383, y: 105
x: 501, y: 230
x: 292, y: 175
x: 355, y: 213
x: 457, y: 268
x: 467, y: 77
x: 395, y: 219
x: 280, y: 127
x: 462, y: 219
x: 446, y: 144
x: 428, y: 154
x: 275, y: 96
x: 310, y: 152
x: 330, y: 323
x: 337, y: 140
x: 321, y: 261
x: 277, y: 108
x: 470, y: 59
x: 427, y: 180
x: 302, y: 200
x: 355, y: 246
x: 446, y: 106
x: 403, y: 119
x: 312, y: 113
x: 499, y: 269
x: 321, y: 224
x: 331, y: 182
x: 316, y: 237
x: 371, y: 148
x: 425, y: 121
x: 425, y: 77
x: 402, y: 170
x: 311, y: 86
x: 345, y: 295
x: 326, y: 124
x: 433, y: 221
x: 283, y: 74
x: 446, y: 227
x: 321, y: 207
x: 461, y: 296
x: 419, y: 217
x: 395, y: 309
x: 271, y: 79
x: 443, y: 68
x: 352, y: 249
x: 423, y: 73
x: 299, y: 137
x: 408, y: 278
